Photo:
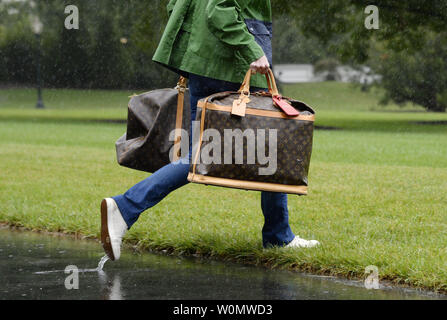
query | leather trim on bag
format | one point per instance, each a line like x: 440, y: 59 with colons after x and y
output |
x: 247, y: 185
x: 257, y: 112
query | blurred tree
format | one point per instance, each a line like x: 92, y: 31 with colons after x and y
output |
x: 419, y: 77
x: 410, y: 73
x: 3, y: 66
x: 305, y: 32
x: 146, y: 33
x: 290, y: 45
x: 109, y: 66
x: 402, y: 23
x: 68, y: 60
x: 18, y: 52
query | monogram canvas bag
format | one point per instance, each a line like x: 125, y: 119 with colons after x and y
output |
x: 152, y: 118
x: 259, y: 141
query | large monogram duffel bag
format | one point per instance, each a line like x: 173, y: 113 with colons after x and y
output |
x: 153, y: 117
x: 259, y: 141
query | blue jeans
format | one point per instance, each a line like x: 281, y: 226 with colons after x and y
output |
x: 149, y: 192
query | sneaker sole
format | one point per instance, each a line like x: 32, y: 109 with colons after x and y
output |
x: 105, y: 237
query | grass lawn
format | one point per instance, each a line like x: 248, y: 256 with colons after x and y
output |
x: 377, y: 186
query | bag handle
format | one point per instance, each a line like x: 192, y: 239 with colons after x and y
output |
x: 240, y: 105
x: 273, y: 89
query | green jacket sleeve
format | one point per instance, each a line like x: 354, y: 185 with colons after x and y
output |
x: 225, y: 21
x: 170, y: 6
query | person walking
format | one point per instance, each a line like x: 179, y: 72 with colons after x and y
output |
x: 212, y: 43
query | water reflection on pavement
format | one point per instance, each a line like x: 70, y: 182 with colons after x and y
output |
x: 32, y: 267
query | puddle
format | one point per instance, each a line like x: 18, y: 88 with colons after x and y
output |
x: 32, y: 266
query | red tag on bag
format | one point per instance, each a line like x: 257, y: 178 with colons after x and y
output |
x: 284, y: 106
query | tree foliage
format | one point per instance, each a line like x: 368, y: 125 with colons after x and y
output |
x: 410, y: 36
x: 403, y: 24
x: 290, y: 45
x: 113, y: 47
x: 419, y: 77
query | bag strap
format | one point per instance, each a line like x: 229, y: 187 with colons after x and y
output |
x: 203, y: 105
x: 181, y: 87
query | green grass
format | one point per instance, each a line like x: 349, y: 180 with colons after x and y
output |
x: 377, y: 187
x: 337, y: 96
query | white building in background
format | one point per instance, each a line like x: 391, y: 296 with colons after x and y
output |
x: 296, y: 73
x: 364, y: 75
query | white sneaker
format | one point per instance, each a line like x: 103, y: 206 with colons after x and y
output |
x: 298, y: 242
x: 113, y: 228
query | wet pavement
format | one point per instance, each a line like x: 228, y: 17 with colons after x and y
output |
x: 32, y: 266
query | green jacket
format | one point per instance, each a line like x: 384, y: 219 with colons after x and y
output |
x: 211, y: 38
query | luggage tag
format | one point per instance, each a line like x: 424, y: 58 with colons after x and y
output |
x: 286, y: 107
x: 239, y: 106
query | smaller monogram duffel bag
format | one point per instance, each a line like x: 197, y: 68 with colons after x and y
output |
x: 260, y: 141
x: 155, y: 121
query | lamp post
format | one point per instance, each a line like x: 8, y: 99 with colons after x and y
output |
x: 37, y: 27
